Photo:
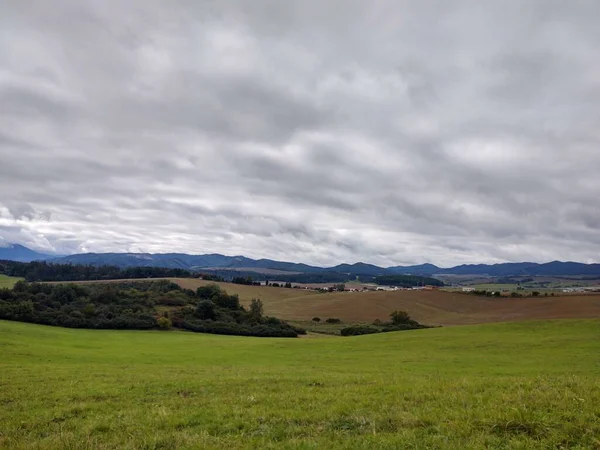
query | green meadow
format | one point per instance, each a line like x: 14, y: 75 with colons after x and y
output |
x: 8, y: 282
x: 528, y: 385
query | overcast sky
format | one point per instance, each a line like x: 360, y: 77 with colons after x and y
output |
x: 391, y: 132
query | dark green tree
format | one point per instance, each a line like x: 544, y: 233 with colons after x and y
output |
x: 205, y: 310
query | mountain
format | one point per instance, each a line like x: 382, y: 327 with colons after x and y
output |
x: 240, y: 264
x: 17, y: 252
x: 183, y: 261
x: 359, y: 269
x: 422, y: 269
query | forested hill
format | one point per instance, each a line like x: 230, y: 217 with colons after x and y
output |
x: 43, y: 271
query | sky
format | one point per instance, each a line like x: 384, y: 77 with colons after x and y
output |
x: 390, y: 132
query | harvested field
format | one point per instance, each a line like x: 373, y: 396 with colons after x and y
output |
x: 428, y: 307
x: 434, y: 307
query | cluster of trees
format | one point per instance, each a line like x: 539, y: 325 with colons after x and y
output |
x: 287, y: 285
x: 407, y: 281
x: 399, y: 321
x: 132, y: 305
x: 497, y: 293
x: 211, y: 277
x: 43, y: 271
x: 248, y: 281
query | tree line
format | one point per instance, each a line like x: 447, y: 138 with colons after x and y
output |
x: 407, y: 281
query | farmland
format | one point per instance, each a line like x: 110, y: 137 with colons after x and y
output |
x: 521, y: 385
x: 435, y: 307
x: 429, y: 307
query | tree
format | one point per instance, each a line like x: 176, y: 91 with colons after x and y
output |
x: 399, y: 317
x: 224, y: 300
x: 209, y: 291
x: 288, y: 285
x: 256, y: 309
x: 340, y: 287
x: 316, y: 319
x: 205, y: 310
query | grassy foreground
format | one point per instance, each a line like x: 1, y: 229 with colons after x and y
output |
x: 512, y: 386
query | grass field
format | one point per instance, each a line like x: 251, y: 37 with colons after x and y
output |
x: 510, y: 386
x: 8, y: 282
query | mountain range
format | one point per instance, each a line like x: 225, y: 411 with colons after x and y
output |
x: 17, y: 252
x: 236, y: 264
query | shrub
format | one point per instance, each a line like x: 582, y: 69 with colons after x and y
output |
x: 357, y: 330
x: 164, y: 323
x: 316, y: 319
x: 399, y: 317
x: 333, y: 320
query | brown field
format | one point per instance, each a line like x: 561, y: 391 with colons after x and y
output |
x: 428, y: 307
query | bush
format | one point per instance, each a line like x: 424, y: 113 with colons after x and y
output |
x: 316, y: 319
x: 332, y: 320
x: 164, y: 323
x: 357, y: 330
x: 399, y: 317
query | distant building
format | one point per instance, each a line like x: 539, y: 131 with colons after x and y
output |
x: 468, y: 289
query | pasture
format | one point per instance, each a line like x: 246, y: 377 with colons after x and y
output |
x: 8, y: 282
x: 502, y: 386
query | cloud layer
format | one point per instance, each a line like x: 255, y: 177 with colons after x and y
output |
x: 321, y: 132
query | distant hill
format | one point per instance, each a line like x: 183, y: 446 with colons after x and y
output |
x: 422, y: 269
x: 359, y: 269
x: 16, y: 252
x: 289, y: 271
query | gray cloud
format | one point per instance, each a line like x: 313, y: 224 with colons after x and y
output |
x: 393, y: 133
